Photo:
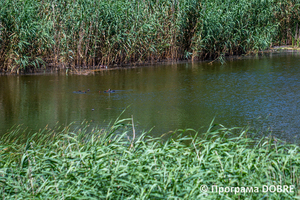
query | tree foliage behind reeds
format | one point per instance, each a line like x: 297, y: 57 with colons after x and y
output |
x: 101, y: 164
x: 92, y: 32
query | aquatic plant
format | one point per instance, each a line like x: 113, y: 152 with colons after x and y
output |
x: 94, y: 33
x: 113, y: 163
x: 288, y: 14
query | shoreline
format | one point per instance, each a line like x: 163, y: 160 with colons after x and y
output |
x: 88, y: 70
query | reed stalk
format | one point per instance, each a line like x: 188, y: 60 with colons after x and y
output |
x: 90, y: 33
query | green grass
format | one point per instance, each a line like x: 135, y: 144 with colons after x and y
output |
x: 94, y: 163
x: 94, y: 32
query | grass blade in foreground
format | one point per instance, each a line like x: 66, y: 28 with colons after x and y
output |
x: 89, y: 165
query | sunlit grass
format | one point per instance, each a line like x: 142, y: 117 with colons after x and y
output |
x: 94, y: 163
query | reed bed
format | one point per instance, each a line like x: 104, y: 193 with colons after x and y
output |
x: 91, y: 33
x: 94, y: 163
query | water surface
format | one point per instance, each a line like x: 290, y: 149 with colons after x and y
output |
x: 262, y: 91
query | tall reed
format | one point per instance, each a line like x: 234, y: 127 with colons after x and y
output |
x: 90, y: 33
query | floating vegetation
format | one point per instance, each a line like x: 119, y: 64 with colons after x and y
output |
x: 97, y: 33
x: 101, y: 164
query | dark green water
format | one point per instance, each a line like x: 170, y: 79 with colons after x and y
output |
x: 261, y: 91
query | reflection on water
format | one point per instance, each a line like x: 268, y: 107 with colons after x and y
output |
x: 262, y: 92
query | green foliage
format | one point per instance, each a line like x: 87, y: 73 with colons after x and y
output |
x: 94, y: 32
x: 23, y: 34
x: 92, y: 163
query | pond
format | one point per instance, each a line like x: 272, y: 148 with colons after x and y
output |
x: 261, y: 91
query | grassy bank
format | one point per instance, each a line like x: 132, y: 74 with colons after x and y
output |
x: 93, y: 33
x: 100, y: 164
